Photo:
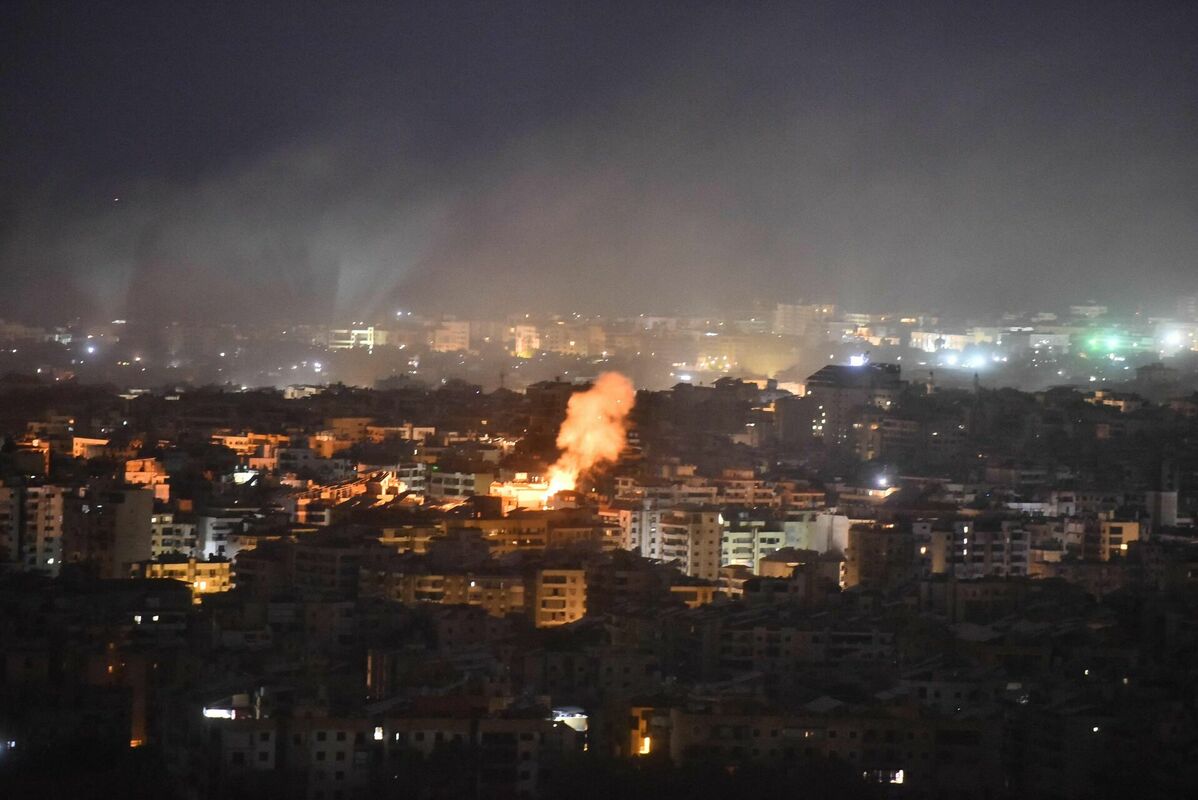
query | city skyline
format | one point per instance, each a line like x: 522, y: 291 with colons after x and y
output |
x: 539, y: 399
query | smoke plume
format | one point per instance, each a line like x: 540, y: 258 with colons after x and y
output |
x: 593, y: 432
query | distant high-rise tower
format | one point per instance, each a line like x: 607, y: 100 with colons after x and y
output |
x: 1161, y: 500
x: 1187, y: 308
x: 794, y: 319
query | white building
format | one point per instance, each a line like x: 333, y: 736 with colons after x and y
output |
x: 214, y: 528
x: 41, y: 534
x: 639, y: 522
x: 748, y: 542
x: 349, y: 338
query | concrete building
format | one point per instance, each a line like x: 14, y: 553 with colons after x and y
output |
x: 151, y: 473
x: 214, y: 527
x: 169, y: 535
x: 799, y: 319
x: 693, y: 537
x: 132, y: 532
x: 41, y: 528
x: 367, y: 338
x: 497, y: 594
x: 745, y: 542
x: 109, y: 529
x: 878, y: 556
x: 930, y: 755
x: 451, y: 336
x: 449, y: 485
x: 249, y: 443
x: 526, y: 340
x: 10, y: 526
x: 87, y: 447
x: 1115, y: 536
x: 840, y: 394
x: 639, y: 522
x: 559, y: 597
x: 203, y: 577
x: 985, y: 548
x: 32, y: 520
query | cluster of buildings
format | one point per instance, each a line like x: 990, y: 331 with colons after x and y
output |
x: 896, y: 586
x: 1079, y: 344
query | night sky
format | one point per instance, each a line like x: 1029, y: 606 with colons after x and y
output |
x: 340, y: 160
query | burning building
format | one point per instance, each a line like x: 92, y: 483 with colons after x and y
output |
x: 593, y: 433
x: 523, y: 492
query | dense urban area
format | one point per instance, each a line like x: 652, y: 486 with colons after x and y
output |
x: 796, y: 550
x: 1082, y: 344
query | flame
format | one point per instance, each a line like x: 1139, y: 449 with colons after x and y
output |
x: 593, y: 432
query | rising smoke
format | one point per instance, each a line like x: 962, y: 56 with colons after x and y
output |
x: 594, y: 430
x: 473, y: 159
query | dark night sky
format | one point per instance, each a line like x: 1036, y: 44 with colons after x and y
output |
x: 342, y: 159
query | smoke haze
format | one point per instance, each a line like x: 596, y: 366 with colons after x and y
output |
x: 287, y: 161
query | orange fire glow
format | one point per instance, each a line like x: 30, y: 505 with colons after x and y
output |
x: 594, y: 430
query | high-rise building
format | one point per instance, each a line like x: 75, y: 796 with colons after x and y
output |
x: 108, y: 529
x: 841, y: 393
x: 746, y: 541
x: 797, y: 319
x: 984, y: 548
x: 451, y: 336
x: 41, y: 535
x: 692, y: 537
x: 878, y: 556
x: 170, y: 535
x: 526, y: 340
x: 10, y: 526
x: 1187, y: 308
x: 639, y: 522
x: 559, y: 597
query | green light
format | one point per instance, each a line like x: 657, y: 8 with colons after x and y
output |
x: 1112, y: 342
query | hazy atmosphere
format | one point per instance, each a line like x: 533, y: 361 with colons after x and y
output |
x: 581, y: 399
x: 225, y: 161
